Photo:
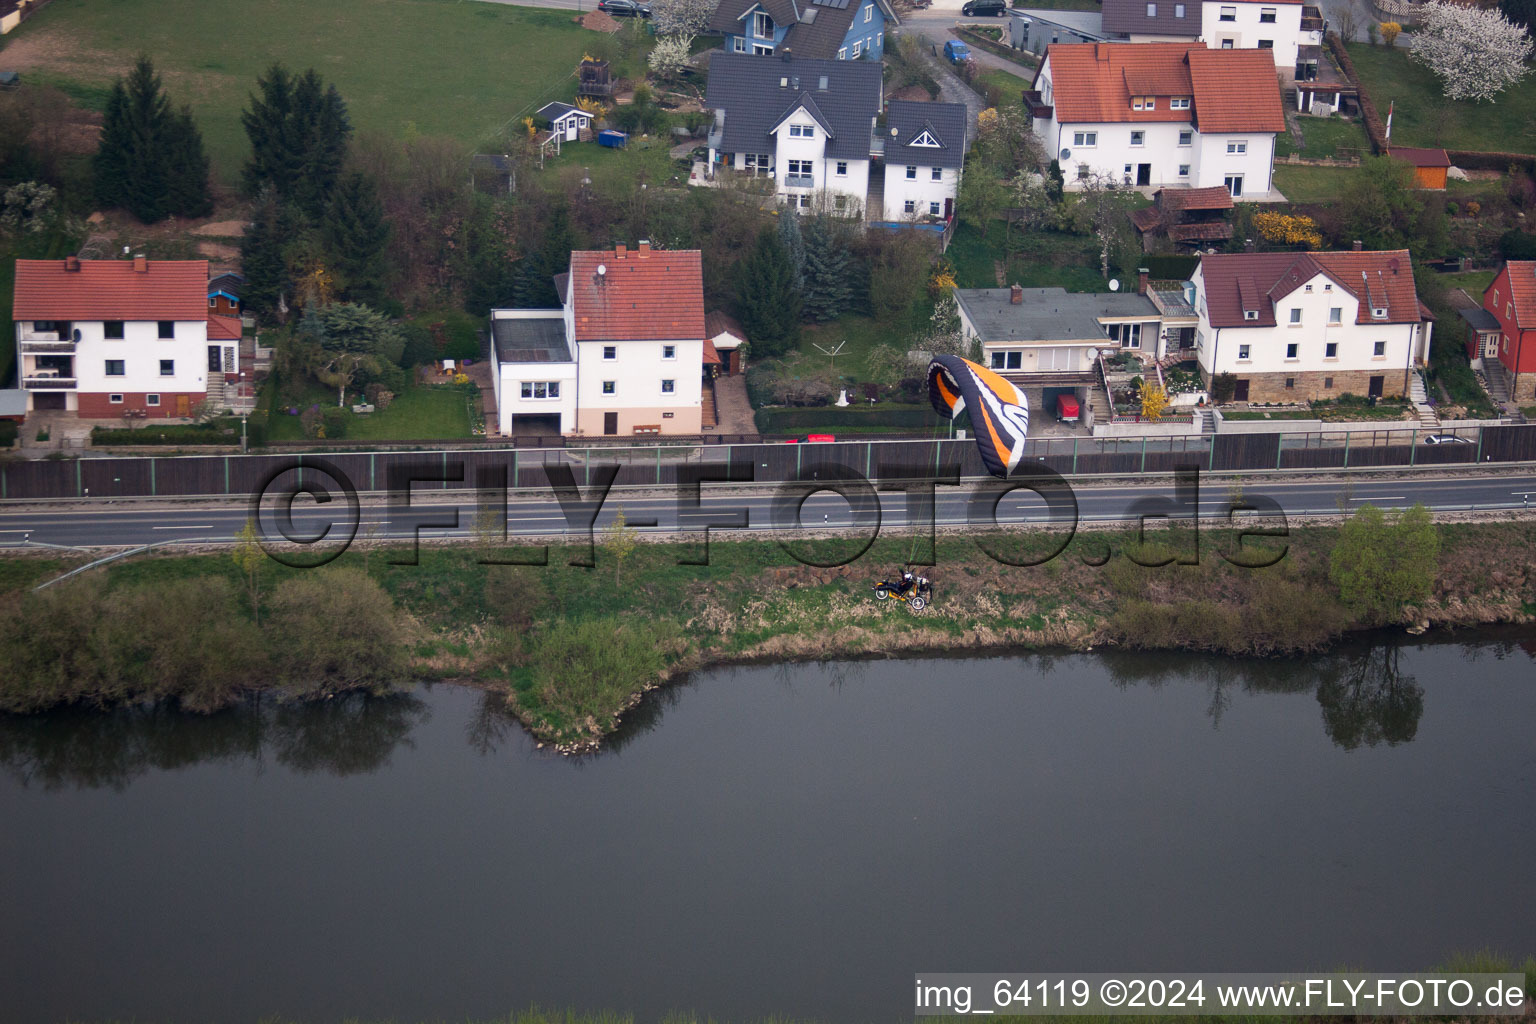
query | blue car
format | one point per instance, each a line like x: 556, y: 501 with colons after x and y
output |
x: 956, y: 52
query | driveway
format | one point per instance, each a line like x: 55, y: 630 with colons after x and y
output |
x: 934, y: 24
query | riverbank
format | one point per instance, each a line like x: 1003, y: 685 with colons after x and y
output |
x: 573, y: 648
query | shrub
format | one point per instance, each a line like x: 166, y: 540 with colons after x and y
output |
x: 339, y: 630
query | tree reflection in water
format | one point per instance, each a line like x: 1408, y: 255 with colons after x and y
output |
x: 85, y: 749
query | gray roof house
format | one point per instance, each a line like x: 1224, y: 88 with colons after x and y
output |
x: 819, y: 29
x: 1033, y: 30
x: 939, y: 131
x: 1162, y: 19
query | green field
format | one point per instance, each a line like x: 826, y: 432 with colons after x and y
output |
x: 405, y: 67
x: 419, y: 414
x: 1301, y: 184
x: 1323, y: 136
x: 1424, y: 117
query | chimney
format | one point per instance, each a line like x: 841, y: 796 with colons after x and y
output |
x: 619, y: 250
x: 72, y: 264
x: 1142, y: 273
x: 1358, y: 245
x: 1248, y: 245
x: 644, y: 249
x: 1016, y: 295
x: 784, y: 52
x: 140, y: 264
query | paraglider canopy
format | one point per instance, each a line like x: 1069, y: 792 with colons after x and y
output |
x: 999, y: 411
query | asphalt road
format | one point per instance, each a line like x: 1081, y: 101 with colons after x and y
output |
x: 535, y: 518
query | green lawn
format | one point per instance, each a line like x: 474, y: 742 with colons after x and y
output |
x: 1042, y: 259
x: 421, y: 413
x: 1311, y: 184
x: 430, y: 67
x: 1424, y: 117
x: 1010, y: 85
x: 1474, y: 281
x: 615, y: 172
x: 1324, y: 136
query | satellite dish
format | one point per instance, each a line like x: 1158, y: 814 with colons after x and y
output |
x: 894, y: 132
x: 1114, y: 284
x: 77, y: 334
x: 1066, y: 154
x: 602, y: 269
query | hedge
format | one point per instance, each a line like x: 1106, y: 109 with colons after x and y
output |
x: 170, y: 435
x: 882, y: 416
x: 8, y: 431
x: 1169, y: 266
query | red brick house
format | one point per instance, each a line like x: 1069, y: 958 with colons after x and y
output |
x: 1511, y: 298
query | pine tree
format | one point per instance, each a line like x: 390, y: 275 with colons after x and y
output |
x: 828, y: 271
x: 263, y: 256
x: 767, y: 299
x: 110, y: 165
x: 298, y: 129
x: 794, y: 245
x: 269, y: 126
x: 187, y: 167
x: 354, y: 234
x: 131, y: 166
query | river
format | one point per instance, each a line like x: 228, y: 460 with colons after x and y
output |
x: 796, y: 839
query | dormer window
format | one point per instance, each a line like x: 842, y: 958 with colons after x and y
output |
x: 802, y: 131
x: 762, y: 25
x: 1379, y: 312
x: 1144, y: 103
x: 1250, y: 314
x: 1179, y: 103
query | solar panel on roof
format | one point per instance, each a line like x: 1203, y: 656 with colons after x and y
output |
x: 836, y: 5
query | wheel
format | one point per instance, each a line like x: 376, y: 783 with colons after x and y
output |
x: 919, y: 603
x: 881, y: 594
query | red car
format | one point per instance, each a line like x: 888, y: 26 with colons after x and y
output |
x: 812, y: 439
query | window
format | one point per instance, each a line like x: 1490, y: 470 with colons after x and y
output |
x: 1186, y: 138
x: 115, y: 368
x: 115, y: 399
x: 1292, y: 351
x: 608, y: 386
x: 1379, y: 313
x: 610, y: 352
x: 167, y: 328
x: 1250, y: 314
x: 938, y: 174
x: 800, y: 169
x: 1266, y: 44
x: 1151, y: 10
x: 1380, y: 349
x: 1266, y: 15
x: 1226, y: 44
x: 541, y: 389
x: 1183, y: 170
x: 802, y: 131
x: 1290, y: 383
x: 910, y: 206
x: 1308, y: 287
x: 167, y: 367
x: 1331, y: 350
x: 1327, y: 383
x: 842, y: 168
x: 669, y: 351
x: 112, y: 329
x: 1327, y: 287
x: 1234, y: 183
x: 1082, y: 172
x: 1085, y: 138
x: 1495, y: 296
x: 1237, y: 147
x: 1242, y: 351
x: 1336, y: 315
x: 668, y: 387
x: 762, y: 50
x: 933, y: 209
x: 1178, y: 10
x: 1007, y: 360
x: 739, y: 44
x: 858, y: 48
x: 151, y: 399
x: 1228, y: 14
x: 213, y: 300
x: 805, y: 202
x: 869, y: 13
x: 1138, y: 138
x: 1179, y: 103
x: 1128, y: 335
x: 1296, y: 316
x: 762, y: 25
x: 880, y: 39
x: 842, y: 53
x: 911, y: 171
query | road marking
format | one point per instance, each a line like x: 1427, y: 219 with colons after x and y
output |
x: 207, y: 527
x: 1383, y: 497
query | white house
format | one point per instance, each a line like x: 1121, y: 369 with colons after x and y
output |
x: 1159, y: 115
x: 102, y: 338
x: 925, y: 148
x: 808, y: 124
x: 624, y: 355
x: 1291, y: 30
x: 1295, y: 327
x: 567, y: 121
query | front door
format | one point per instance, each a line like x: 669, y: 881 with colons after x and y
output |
x: 1490, y: 346
x: 183, y: 406
x: 1373, y: 390
x: 571, y: 130
x: 215, y: 359
x: 1240, y: 391
x: 1235, y: 185
x: 1143, y: 174
x: 949, y: 208
x: 610, y: 423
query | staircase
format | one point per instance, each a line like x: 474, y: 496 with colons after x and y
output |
x: 1428, y: 418
x: 1098, y: 401
x: 874, y: 201
x: 1492, y: 378
x: 1207, y: 420
x: 709, y: 417
x: 216, y: 398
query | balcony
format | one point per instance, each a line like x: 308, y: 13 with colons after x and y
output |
x: 715, y: 138
x: 876, y: 147
x: 42, y: 344
x: 1035, y: 104
x: 799, y: 181
x: 1312, y: 19
x: 42, y: 381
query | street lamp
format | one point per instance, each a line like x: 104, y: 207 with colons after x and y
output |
x: 242, y: 433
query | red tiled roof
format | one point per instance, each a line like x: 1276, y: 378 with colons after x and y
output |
x: 1420, y: 157
x: 719, y: 322
x: 111, y: 290
x: 1232, y: 90
x: 1217, y: 197
x: 1522, y: 291
x: 1234, y: 281
x: 711, y: 354
x: 223, y: 328
x: 654, y: 295
x: 1210, y: 231
x: 1147, y: 218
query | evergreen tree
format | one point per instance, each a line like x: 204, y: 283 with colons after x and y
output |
x: 131, y: 164
x: 298, y: 129
x: 354, y: 234
x: 828, y: 287
x: 768, y: 303
x: 109, y: 166
x: 187, y: 167
x: 794, y: 245
x: 264, y: 256
x: 533, y: 284
x: 491, y: 271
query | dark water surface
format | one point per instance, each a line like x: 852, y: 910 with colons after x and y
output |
x: 792, y: 840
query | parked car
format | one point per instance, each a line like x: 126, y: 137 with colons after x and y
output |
x: 624, y: 8
x: 984, y: 8
x: 956, y: 52
x: 1445, y: 439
